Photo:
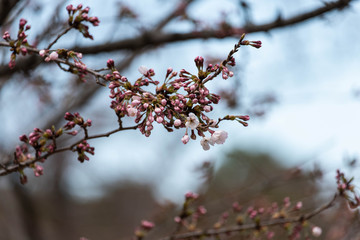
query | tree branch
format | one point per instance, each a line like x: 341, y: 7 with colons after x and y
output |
x: 151, y: 38
x: 227, y: 230
x: 18, y: 166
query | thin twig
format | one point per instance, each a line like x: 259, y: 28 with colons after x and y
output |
x: 227, y: 230
x: 59, y: 36
x: 151, y: 38
x: 15, y: 167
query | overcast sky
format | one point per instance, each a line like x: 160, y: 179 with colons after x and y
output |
x: 312, y: 68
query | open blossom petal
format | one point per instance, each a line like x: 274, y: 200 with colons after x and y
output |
x: 219, y: 137
x: 143, y: 70
x: 192, y: 121
x: 205, y: 143
x: 316, y: 231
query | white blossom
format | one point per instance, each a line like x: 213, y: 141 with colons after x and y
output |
x: 316, y: 231
x: 219, y: 137
x: 192, y: 121
x: 143, y: 70
x: 206, y: 142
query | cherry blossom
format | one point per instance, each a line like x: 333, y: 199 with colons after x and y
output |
x: 192, y: 121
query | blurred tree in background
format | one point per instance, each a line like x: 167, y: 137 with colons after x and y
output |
x: 37, y: 94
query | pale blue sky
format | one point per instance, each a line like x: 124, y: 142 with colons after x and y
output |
x: 313, y: 69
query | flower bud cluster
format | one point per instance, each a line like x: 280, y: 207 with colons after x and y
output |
x: 83, y: 148
x: 76, y: 119
x: 347, y: 190
x: 181, y: 101
x: 255, y: 44
x: 18, y: 46
x: 183, y: 219
x: 80, y: 67
x: 145, y: 227
x: 75, y: 21
x: 42, y: 141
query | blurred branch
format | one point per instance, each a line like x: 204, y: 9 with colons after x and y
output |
x: 254, y: 226
x: 29, y: 211
x: 180, y: 9
x: 155, y: 38
x: 6, y: 6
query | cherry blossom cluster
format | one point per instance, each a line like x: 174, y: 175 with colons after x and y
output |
x: 79, y: 68
x: 183, y: 219
x: 44, y: 143
x: 18, y: 45
x: 76, y: 21
x: 347, y: 190
x: 83, y: 147
x: 255, y: 219
x: 181, y: 101
x: 144, y: 228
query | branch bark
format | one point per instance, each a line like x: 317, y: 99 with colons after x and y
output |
x: 155, y: 38
x: 227, y: 230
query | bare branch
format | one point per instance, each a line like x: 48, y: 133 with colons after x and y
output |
x: 227, y: 230
x: 151, y: 38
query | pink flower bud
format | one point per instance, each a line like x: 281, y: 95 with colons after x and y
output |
x: 316, y: 231
x: 24, y: 51
x: 191, y: 195
x: 159, y: 119
x: 73, y: 133
x: 202, y: 210
x: 22, y: 22
x: 38, y: 171
x: 185, y: 139
x: 110, y: 63
x: 177, y: 219
x: 207, y: 108
x: 69, y: 8
x: 132, y: 111
x: 147, y: 225
x: 12, y: 64
x: 177, y: 122
x: 42, y: 53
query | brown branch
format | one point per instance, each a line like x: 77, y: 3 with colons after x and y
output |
x: 151, y: 38
x: 59, y: 36
x: 155, y: 38
x: 18, y: 166
x: 36, y: 51
x: 6, y: 7
x: 180, y: 9
x: 227, y: 230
